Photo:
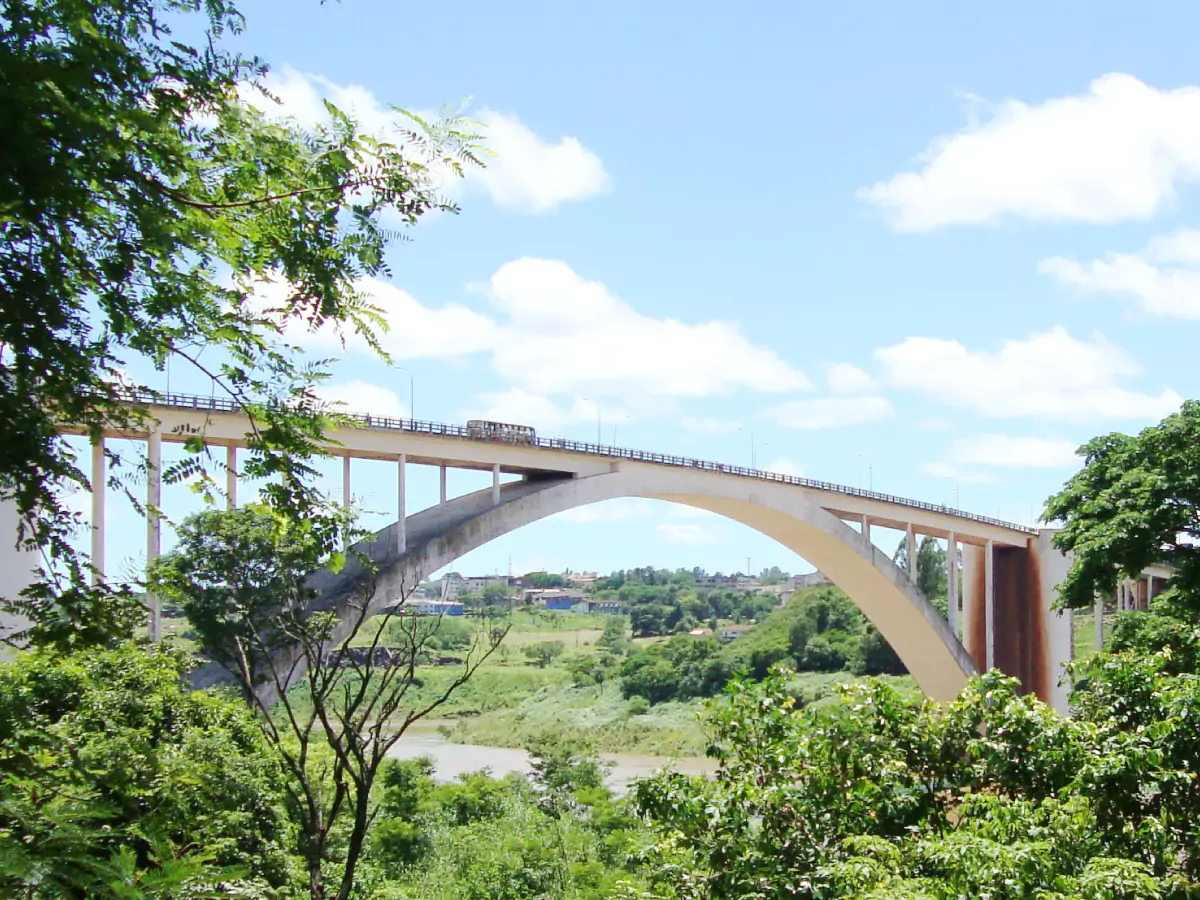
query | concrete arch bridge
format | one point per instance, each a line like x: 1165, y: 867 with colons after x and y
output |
x: 1002, y: 617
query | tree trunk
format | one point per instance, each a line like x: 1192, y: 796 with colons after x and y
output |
x: 316, y: 878
x: 358, y: 836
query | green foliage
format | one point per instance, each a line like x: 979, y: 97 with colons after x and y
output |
x: 678, y: 669
x: 1133, y: 505
x: 546, y: 580
x: 544, y: 652
x: 613, y: 638
x: 560, y: 836
x: 242, y: 577
x: 993, y: 795
x: 146, y: 198
x: 590, y: 668
x: 112, y: 771
x: 435, y: 632
x: 563, y: 768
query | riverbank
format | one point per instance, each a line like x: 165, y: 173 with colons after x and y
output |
x: 452, y: 760
x: 596, y: 714
x: 600, y: 716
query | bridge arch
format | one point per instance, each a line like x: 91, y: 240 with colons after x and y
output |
x: 881, y: 590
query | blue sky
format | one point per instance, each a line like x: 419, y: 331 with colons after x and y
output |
x: 929, y: 247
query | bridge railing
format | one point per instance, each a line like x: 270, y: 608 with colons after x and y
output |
x: 442, y: 429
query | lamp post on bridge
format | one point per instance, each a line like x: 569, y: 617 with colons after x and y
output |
x: 870, y: 471
x: 754, y: 451
x: 955, y: 480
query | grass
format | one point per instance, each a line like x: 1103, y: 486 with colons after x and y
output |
x: 1085, y: 633
x: 605, y: 719
x: 597, y: 714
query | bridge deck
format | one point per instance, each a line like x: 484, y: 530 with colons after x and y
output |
x: 368, y: 436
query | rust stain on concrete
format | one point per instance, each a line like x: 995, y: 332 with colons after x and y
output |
x: 1021, y: 645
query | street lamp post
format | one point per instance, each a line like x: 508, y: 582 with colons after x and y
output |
x: 955, y: 480
x: 870, y: 472
x: 754, y: 451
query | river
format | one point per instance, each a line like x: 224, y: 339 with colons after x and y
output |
x: 451, y: 760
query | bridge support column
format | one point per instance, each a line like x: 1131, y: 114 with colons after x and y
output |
x: 910, y: 546
x: 346, y: 495
x: 442, y: 486
x: 866, y: 528
x: 231, y: 477
x: 1030, y: 640
x: 98, y: 497
x: 989, y: 602
x: 974, y: 604
x: 1098, y: 625
x: 401, y: 514
x: 952, y: 582
x: 153, y: 521
x: 19, y: 567
x: 496, y: 484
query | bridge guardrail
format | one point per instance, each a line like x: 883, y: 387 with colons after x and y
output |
x: 416, y: 426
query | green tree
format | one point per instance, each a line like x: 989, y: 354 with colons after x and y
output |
x: 992, y: 795
x: 931, y: 570
x: 544, y: 652
x: 1133, y: 505
x: 242, y: 578
x: 112, y: 772
x: 613, y: 637
x: 147, y: 197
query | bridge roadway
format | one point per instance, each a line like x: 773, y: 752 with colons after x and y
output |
x: 1003, y: 617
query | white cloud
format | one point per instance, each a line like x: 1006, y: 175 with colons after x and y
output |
x: 524, y: 407
x: 1006, y: 451
x: 1164, y: 278
x: 622, y: 510
x: 829, y: 412
x: 933, y: 425
x: 1049, y: 375
x: 847, y: 379
x: 686, y: 533
x: 783, y: 466
x: 531, y: 175
x: 1115, y: 152
x: 945, y: 470
x: 414, y: 331
x: 565, y: 335
x: 364, y: 397
x: 709, y: 426
x: 525, y: 173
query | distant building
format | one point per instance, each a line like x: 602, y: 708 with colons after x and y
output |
x: 609, y: 607
x: 812, y: 579
x: 729, y: 632
x: 717, y: 582
x: 455, y: 585
x: 477, y: 584
x: 543, y: 596
x: 582, y: 579
x: 562, y: 604
x: 424, y: 607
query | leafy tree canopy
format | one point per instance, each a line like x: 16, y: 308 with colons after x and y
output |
x: 1135, y: 503
x: 111, y: 769
x: 147, y: 197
